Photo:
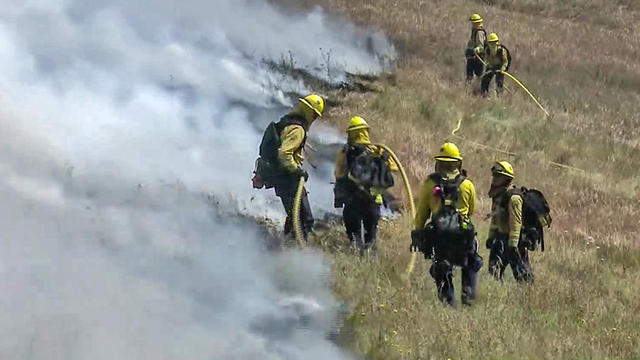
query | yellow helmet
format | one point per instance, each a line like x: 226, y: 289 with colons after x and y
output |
x: 503, y: 168
x: 475, y: 18
x: 357, y: 123
x: 314, y: 102
x: 449, y: 152
x: 493, y: 37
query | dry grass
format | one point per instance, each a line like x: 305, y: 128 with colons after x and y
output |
x: 581, y: 59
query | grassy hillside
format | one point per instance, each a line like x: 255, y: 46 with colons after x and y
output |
x: 581, y: 59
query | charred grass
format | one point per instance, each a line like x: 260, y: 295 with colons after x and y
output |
x: 580, y: 59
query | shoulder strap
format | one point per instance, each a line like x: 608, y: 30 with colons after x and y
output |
x: 475, y: 32
x: 292, y: 119
x: 450, y: 189
x: 510, y: 193
x: 436, y: 178
x: 352, y: 151
x: 504, y: 48
x: 459, y: 179
x: 516, y: 191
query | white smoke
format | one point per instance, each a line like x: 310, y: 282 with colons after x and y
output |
x: 129, y: 131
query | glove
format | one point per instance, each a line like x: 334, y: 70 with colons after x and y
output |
x: 418, y: 244
x: 416, y: 240
x: 489, y: 243
x: 300, y: 172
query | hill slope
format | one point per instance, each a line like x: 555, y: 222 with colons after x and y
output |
x: 581, y: 60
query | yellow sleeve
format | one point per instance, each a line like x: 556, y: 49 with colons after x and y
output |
x: 467, y: 201
x: 505, y: 60
x: 423, y: 211
x: 341, y: 165
x: 292, y: 138
x: 515, y: 220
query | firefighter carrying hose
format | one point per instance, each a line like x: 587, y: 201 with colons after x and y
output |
x: 282, y: 154
x: 498, y: 60
x: 363, y: 173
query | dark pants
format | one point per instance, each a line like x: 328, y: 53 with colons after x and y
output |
x: 442, y: 272
x: 361, y: 212
x: 286, y: 191
x: 474, y: 67
x: 486, y: 80
x: 502, y: 255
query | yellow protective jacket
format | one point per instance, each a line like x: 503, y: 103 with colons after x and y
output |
x: 291, y: 150
x: 358, y: 137
x: 497, y: 60
x: 428, y: 204
x: 477, y: 40
x: 506, y: 217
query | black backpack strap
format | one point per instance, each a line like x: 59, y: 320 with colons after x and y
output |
x: 510, y: 193
x: 504, y: 48
x: 292, y: 119
x: 474, y: 33
x: 516, y: 191
x: 352, y: 151
x: 436, y: 178
x: 451, y: 189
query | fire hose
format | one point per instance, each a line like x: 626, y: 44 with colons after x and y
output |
x: 297, y: 227
x: 515, y: 80
x: 525, y: 90
x: 412, y: 206
x: 520, y: 84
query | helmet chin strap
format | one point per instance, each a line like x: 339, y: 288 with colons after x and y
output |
x: 308, y: 114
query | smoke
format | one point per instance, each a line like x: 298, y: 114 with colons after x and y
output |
x: 129, y: 133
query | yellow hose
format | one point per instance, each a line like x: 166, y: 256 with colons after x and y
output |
x: 457, y: 127
x: 479, y: 58
x: 405, y: 179
x: 526, y: 90
x: 412, y: 206
x: 297, y: 227
x: 519, y: 83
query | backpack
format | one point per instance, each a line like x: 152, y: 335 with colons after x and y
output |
x: 500, y: 49
x: 452, y: 235
x: 535, y: 216
x: 365, y: 170
x: 504, y: 48
x: 368, y: 169
x: 268, y: 168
